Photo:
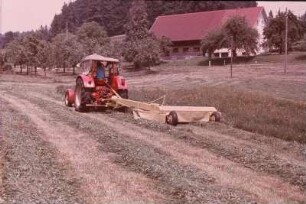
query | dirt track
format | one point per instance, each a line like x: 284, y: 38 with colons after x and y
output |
x: 99, y: 157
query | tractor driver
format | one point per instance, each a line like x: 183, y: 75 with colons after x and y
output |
x: 100, y: 70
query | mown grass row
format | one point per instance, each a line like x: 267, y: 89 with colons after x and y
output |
x: 248, y: 111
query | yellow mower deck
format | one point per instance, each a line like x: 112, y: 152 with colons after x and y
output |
x: 169, y: 114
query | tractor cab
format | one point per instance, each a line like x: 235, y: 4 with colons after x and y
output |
x: 94, y: 88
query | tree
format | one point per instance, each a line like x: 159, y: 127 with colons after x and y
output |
x: 144, y: 52
x: 43, y: 33
x: 303, y: 21
x: 9, y: 37
x: 112, y: 14
x: 212, y: 41
x: 236, y: 29
x: 94, y: 39
x: 141, y: 47
x: 274, y: 31
x: 66, y: 50
x: 16, y: 52
x: 43, y: 56
x: 137, y: 26
x: 165, y: 45
x: 32, y: 43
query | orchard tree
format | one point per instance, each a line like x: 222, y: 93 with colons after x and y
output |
x: 238, y: 32
x: 66, y: 51
x: 274, y: 31
x: 44, y: 59
x: 16, y: 53
x: 141, y: 48
x: 94, y: 39
x: 32, y: 43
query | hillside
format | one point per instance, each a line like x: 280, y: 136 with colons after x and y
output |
x: 112, y: 15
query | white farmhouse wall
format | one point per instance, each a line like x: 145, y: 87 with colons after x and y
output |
x: 259, y: 26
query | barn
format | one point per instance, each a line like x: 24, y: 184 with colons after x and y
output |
x: 187, y: 30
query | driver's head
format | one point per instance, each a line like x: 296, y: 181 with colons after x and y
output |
x: 104, y: 63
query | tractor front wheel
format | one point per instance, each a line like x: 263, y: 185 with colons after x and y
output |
x: 67, y: 102
x: 215, y: 116
x: 81, y: 97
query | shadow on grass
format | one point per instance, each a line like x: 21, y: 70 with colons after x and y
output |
x: 141, y: 71
x: 301, y: 57
x: 226, y: 61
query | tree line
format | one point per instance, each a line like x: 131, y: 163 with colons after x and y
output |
x: 112, y: 14
x: 36, y: 49
x: 32, y: 49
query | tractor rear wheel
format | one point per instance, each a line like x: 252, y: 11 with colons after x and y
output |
x: 172, y: 118
x: 81, y: 97
x: 215, y: 116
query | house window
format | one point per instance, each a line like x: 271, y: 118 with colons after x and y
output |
x: 224, y: 54
x: 216, y: 54
x: 196, y: 49
x: 175, y: 50
x: 185, y: 49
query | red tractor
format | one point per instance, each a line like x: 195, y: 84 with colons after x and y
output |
x: 93, y: 91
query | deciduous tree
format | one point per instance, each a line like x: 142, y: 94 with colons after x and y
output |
x: 234, y: 30
x: 141, y: 48
x: 237, y: 30
x: 94, y: 39
x: 66, y: 50
x: 274, y: 31
x: 212, y: 41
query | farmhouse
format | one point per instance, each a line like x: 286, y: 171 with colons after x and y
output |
x: 187, y: 30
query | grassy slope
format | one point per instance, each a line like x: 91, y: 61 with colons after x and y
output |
x: 249, y: 111
x: 253, y: 112
x: 293, y: 58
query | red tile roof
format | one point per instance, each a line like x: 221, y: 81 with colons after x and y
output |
x: 194, y: 26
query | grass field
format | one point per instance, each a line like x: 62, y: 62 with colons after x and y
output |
x: 256, y: 154
x: 259, y: 98
x: 244, y: 110
x: 293, y: 58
